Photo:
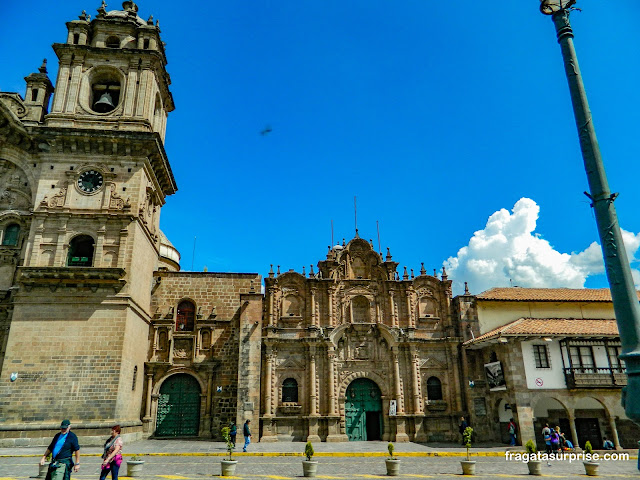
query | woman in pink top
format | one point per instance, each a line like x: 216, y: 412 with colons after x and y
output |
x: 112, y: 456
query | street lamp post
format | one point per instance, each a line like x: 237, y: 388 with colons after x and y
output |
x: 623, y: 292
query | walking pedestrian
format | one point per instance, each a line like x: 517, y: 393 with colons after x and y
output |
x: 546, y: 434
x: 462, y: 427
x: 247, y: 435
x: 112, y: 456
x: 233, y: 431
x: 512, y: 432
x: 63, y: 446
x: 608, y: 444
x: 555, y: 440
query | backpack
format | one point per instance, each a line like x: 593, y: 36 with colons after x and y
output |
x: 555, y: 437
x: 512, y: 429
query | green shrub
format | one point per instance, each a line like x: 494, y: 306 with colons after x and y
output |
x: 530, y: 447
x: 308, y: 451
x: 466, y: 436
x: 391, y: 448
x: 226, y: 436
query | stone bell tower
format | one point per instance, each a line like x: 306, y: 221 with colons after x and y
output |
x: 94, y: 174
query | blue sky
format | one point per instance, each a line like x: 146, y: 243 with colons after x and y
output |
x: 435, y: 115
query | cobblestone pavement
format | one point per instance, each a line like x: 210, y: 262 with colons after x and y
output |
x: 180, y: 467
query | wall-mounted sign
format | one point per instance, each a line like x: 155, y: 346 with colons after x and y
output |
x: 480, y: 406
x: 495, y: 376
x: 393, y: 407
x: 539, y: 382
x: 218, y: 389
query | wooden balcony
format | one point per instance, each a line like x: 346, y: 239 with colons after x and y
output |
x: 595, y: 377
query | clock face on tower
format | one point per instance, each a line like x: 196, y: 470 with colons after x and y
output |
x: 90, y: 181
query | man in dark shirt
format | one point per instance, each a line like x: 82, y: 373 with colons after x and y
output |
x: 63, y: 446
x: 247, y: 435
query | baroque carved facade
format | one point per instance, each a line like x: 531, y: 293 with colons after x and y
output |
x: 356, y: 318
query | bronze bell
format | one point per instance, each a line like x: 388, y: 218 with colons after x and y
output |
x: 105, y: 104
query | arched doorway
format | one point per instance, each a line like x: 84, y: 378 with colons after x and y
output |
x: 179, y: 407
x: 363, y: 410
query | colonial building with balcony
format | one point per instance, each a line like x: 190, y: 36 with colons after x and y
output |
x: 547, y: 356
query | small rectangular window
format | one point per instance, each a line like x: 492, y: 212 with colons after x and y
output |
x: 34, y: 94
x: 76, y: 38
x: 541, y: 356
x: 146, y: 44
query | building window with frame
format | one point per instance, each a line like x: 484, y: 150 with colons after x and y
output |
x: 434, y: 388
x: 80, y: 251
x: 541, y: 356
x: 290, y: 391
x: 10, y: 237
x: 185, y: 320
x: 615, y: 363
x: 582, y: 359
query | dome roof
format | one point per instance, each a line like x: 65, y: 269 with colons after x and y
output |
x: 167, y: 250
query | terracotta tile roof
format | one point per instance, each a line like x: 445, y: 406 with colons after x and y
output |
x: 518, y: 294
x: 570, y: 327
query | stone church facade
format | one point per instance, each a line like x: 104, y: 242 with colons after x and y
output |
x: 99, y: 325
x: 356, y: 352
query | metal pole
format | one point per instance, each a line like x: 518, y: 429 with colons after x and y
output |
x: 623, y: 292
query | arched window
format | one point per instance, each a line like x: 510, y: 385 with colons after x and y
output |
x: 290, y: 390
x: 80, y: 252
x: 186, y: 316
x: 112, y: 42
x: 434, y: 388
x: 11, y: 235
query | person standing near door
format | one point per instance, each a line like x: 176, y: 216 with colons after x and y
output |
x: 247, y: 435
x: 512, y: 432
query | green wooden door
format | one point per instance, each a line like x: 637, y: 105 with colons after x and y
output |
x: 363, y: 404
x: 179, y: 407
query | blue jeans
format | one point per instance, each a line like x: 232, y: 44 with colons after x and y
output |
x: 513, y: 439
x: 113, y: 468
x: 247, y: 441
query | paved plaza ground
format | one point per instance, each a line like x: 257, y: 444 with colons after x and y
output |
x: 197, y: 460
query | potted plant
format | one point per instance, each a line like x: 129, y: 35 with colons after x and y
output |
x: 134, y: 466
x: 535, y: 466
x: 309, y: 467
x: 468, y: 465
x: 228, y: 466
x: 393, y: 463
x: 590, y: 468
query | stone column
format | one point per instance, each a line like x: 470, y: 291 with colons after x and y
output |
x: 313, y: 398
x: 268, y: 383
x: 207, y: 406
x: 614, y: 432
x: 147, y: 410
x: 415, y: 371
x: 314, y: 318
x: 411, y: 310
x: 331, y: 312
x: 333, y: 417
x: 313, y: 394
x: 271, y: 300
x: 401, y: 434
x: 572, y: 426
x: 394, y: 318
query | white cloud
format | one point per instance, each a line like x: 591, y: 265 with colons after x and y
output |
x: 508, y: 251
